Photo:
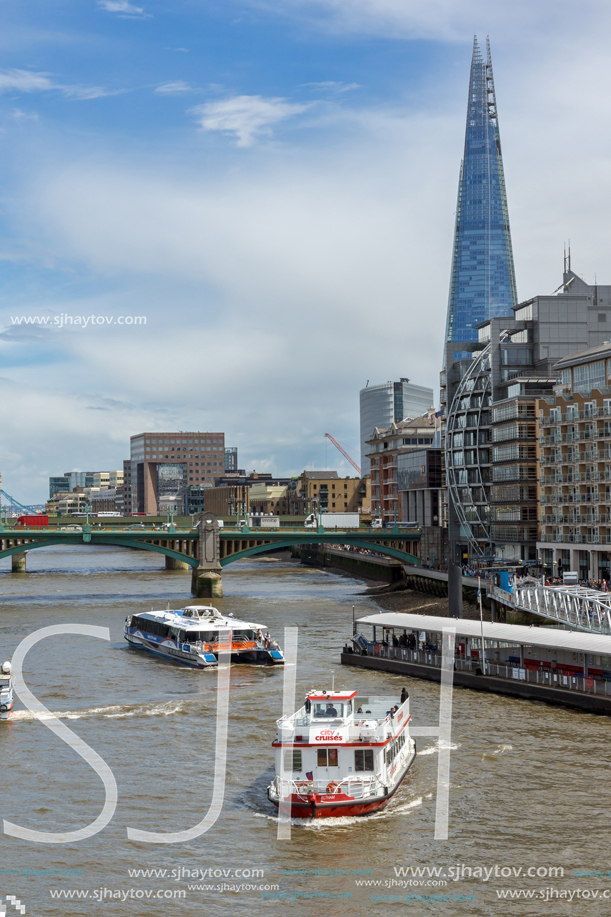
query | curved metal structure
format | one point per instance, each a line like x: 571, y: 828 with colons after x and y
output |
x: 472, y: 397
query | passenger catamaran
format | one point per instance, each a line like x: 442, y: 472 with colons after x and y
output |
x: 6, y: 691
x: 195, y: 636
x: 342, y: 753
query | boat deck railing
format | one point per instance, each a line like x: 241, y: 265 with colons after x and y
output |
x: 552, y: 678
x: 353, y: 785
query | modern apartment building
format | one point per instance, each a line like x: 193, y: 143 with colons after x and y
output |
x: 490, y: 432
x: 163, y: 465
x: 387, y: 450
x: 391, y: 402
x: 575, y: 481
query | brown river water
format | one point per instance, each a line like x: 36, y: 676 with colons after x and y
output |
x: 530, y: 784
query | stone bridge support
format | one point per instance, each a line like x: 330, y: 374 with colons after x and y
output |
x: 18, y: 563
x: 172, y: 563
x: 206, y: 580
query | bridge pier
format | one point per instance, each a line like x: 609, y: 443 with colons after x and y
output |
x: 206, y: 580
x: 18, y: 563
x: 172, y: 563
x: 206, y: 584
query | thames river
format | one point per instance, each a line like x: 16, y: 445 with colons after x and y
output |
x: 529, y: 799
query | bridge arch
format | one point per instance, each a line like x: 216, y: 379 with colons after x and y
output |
x: 290, y: 542
x: 117, y: 542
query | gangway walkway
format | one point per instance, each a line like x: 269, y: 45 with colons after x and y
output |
x: 577, y: 607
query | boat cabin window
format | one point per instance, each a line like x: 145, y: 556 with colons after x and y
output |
x: 327, y: 757
x: 292, y: 759
x: 363, y: 759
x: 196, y: 636
x: 328, y: 710
x: 150, y: 627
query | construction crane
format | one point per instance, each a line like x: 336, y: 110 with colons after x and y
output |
x: 343, y: 452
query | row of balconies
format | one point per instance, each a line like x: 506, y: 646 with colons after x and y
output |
x: 587, y: 538
x: 574, y: 436
x: 547, y: 420
x: 576, y: 477
x: 586, y: 519
x: 565, y: 499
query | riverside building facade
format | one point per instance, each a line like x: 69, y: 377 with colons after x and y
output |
x: 575, y: 443
x: 388, y: 455
x: 491, y: 450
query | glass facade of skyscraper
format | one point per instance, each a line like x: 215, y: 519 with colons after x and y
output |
x: 483, y: 279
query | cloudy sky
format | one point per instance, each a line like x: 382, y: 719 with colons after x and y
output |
x: 272, y: 185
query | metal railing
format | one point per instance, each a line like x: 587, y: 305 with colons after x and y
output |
x: 576, y: 606
x: 554, y: 678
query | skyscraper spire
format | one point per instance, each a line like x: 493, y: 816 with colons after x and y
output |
x: 483, y: 278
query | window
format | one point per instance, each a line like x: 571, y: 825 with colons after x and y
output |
x: 363, y: 759
x: 292, y: 759
x: 327, y: 757
x: 602, y: 316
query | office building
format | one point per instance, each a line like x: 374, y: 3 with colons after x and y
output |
x: 164, y: 465
x: 231, y: 458
x: 324, y: 492
x: 391, y: 402
x: 73, y: 479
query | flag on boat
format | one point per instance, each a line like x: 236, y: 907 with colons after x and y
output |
x: 310, y: 775
x: 479, y: 588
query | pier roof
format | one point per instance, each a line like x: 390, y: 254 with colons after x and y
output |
x: 518, y: 634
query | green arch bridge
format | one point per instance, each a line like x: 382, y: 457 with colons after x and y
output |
x: 206, y: 548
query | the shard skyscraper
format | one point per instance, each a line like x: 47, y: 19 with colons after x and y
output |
x: 482, y: 287
x: 483, y: 282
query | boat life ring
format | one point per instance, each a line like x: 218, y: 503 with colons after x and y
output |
x: 332, y: 787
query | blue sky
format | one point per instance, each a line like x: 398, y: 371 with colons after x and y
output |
x: 272, y: 185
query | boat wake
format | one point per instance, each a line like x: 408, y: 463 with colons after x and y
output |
x: 499, y: 750
x: 112, y: 711
x: 438, y: 746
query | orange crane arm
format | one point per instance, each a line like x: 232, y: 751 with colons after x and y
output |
x: 345, y: 454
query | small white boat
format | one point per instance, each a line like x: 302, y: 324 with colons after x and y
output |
x: 195, y: 636
x: 6, y: 691
x: 342, y: 754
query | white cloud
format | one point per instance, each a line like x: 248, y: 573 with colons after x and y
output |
x: 245, y: 116
x: 177, y: 86
x: 128, y: 10
x: 29, y: 81
x: 25, y: 81
x: 334, y: 86
x: 448, y: 20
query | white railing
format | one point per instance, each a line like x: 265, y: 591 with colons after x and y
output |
x: 576, y: 606
x: 357, y: 787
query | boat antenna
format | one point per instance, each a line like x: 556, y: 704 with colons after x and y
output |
x: 333, y: 683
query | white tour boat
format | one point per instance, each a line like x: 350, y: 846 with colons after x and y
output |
x: 196, y: 634
x: 6, y: 691
x: 342, y: 753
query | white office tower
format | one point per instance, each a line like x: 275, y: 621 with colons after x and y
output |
x: 390, y: 402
